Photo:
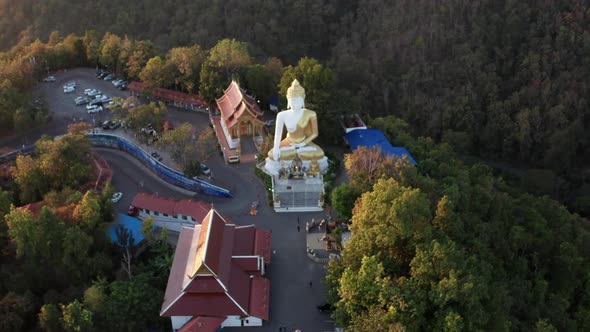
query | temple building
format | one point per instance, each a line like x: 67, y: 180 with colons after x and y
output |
x: 240, y: 116
x: 178, y: 99
x: 169, y: 213
x: 217, y: 277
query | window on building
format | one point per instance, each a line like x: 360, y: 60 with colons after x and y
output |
x: 165, y: 215
x: 156, y: 213
x: 184, y: 218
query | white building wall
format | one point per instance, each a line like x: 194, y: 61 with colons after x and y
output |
x: 179, y: 321
x: 169, y: 222
x: 233, y: 321
x: 232, y: 143
x: 252, y: 321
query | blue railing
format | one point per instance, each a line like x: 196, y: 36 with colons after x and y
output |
x: 166, y: 173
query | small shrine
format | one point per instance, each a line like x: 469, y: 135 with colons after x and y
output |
x: 295, y: 163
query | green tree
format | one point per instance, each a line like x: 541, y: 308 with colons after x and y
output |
x: 122, y: 311
x: 260, y: 83
x: 146, y: 114
x: 343, y: 199
x: 29, y: 179
x: 110, y: 46
x: 50, y: 318
x: 181, y: 143
x: 88, y: 211
x: 76, y: 318
x: 143, y: 51
x: 186, y: 62
x: 91, y: 46
x: 157, y: 73
x: 231, y: 56
x: 212, y: 82
x: 64, y: 162
x: 207, y: 144
x: 362, y: 289
x: 365, y: 166
x: 16, y: 312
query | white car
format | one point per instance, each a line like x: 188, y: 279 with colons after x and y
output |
x: 69, y: 89
x: 49, y: 79
x: 92, y: 93
x: 205, y: 170
x: 116, y: 197
x: 72, y: 84
x: 93, y: 109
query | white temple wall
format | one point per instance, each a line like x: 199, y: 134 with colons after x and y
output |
x: 179, y: 321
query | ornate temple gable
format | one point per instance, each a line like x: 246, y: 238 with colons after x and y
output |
x: 236, y: 105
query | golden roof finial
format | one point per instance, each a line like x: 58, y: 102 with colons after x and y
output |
x: 296, y: 90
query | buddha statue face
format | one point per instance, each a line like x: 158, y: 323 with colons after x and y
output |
x: 295, y: 96
x: 295, y: 103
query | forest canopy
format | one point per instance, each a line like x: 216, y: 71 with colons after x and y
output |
x: 502, y: 80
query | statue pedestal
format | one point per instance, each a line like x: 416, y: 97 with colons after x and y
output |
x: 272, y: 167
x: 295, y: 192
x: 298, y: 195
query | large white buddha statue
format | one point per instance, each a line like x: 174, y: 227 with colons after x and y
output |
x: 302, y: 129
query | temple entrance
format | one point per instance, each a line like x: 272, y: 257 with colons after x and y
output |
x: 247, y: 146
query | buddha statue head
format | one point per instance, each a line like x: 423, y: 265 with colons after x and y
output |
x: 295, y: 96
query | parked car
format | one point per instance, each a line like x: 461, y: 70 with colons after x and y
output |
x: 325, y: 307
x: 105, y: 125
x: 93, y: 108
x: 92, y: 93
x: 69, y: 89
x: 132, y: 210
x: 205, y: 170
x: 72, y: 84
x: 122, y: 86
x: 157, y: 156
x: 81, y: 101
x: 270, y: 123
x: 116, y: 197
x: 112, y: 104
x: 49, y: 79
x: 109, y: 77
x: 114, y: 124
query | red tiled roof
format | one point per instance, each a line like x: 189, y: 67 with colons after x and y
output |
x: 244, y: 242
x: 260, y: 297
x: 262, y: 244
x: 203, y: 284
x: 170, y: 95
x: 202, y: 324
x: 216, y: 284
x: 234, y: 103
x: 248, y: 264
x: 174, y: 287
x: 205, y: 304
x: 197, y: 210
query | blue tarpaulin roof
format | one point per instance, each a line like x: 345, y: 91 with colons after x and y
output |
x: 131, y: 223
x: 375, y: 137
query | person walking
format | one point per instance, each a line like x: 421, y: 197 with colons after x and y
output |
x: 310, y: 284
x: 298, y: 228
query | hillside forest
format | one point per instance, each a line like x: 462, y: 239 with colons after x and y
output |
x: 473, y: 89
x: 503, y: 81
